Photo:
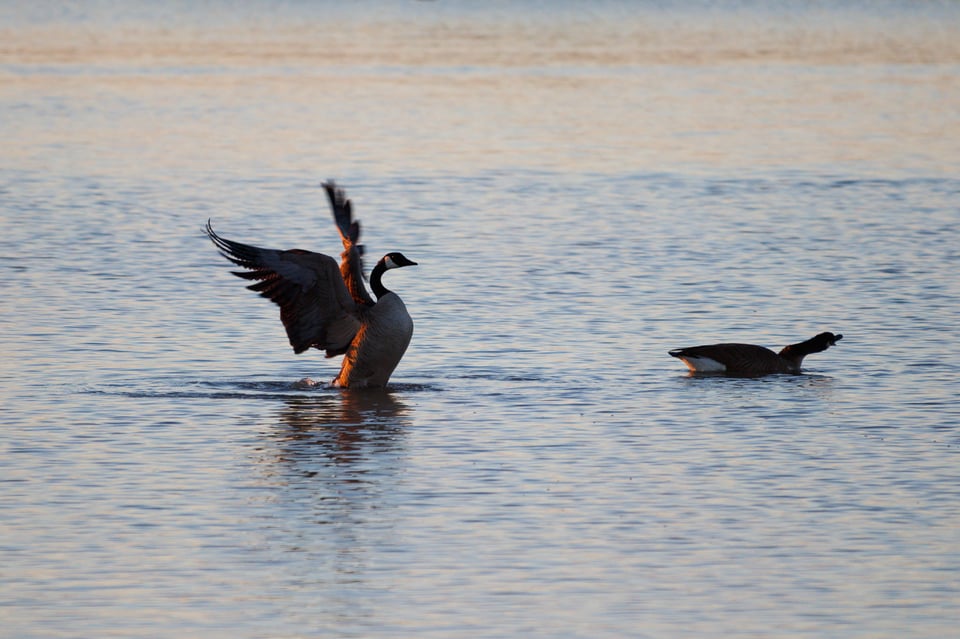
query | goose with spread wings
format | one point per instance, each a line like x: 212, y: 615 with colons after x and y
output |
x: 326, y: 306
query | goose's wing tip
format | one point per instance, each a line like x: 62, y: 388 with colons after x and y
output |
x: 335, y: 192
x: 227, y: 248
x: 342, y: 209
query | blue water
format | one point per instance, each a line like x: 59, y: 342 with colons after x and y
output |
x: 583, y: 190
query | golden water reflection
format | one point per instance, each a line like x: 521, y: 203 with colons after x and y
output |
x: 622, y: 88
x: 613, y: 36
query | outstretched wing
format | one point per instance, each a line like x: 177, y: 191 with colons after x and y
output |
x: 351, y: 260
x: 315, y: 306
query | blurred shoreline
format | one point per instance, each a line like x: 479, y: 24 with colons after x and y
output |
x: 448, y: 35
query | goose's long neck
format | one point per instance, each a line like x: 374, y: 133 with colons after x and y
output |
x: 378, y: 288
x: 793, y: 358
x: 795, y: 353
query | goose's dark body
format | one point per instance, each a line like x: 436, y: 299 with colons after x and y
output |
x: 326, y: 306
x: 751, y: 360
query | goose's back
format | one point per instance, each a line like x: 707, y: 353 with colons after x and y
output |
x: 738, y: 359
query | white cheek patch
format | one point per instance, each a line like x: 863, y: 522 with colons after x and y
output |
x: 389, y: 263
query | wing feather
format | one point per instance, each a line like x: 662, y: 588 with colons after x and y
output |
x: 351, y: 260
x: 315, y: 306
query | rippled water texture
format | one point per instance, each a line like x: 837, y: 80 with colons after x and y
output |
x: 584, y: 189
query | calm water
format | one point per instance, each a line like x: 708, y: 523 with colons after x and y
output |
x: 584, y: 189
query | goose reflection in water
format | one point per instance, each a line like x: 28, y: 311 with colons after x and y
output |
x: 330, y: 464
x: 362, y: 430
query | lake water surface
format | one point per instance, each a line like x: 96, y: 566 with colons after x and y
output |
x: 584, y: 189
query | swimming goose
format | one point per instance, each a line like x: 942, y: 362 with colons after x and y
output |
x: 750, y: 360
x: 326, y: 306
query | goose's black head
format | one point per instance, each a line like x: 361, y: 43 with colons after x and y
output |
x: 816, y: 344
x: 823, y: 341
x: 396, y: 260
x: 387, y: 262
x: 834, y: 338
